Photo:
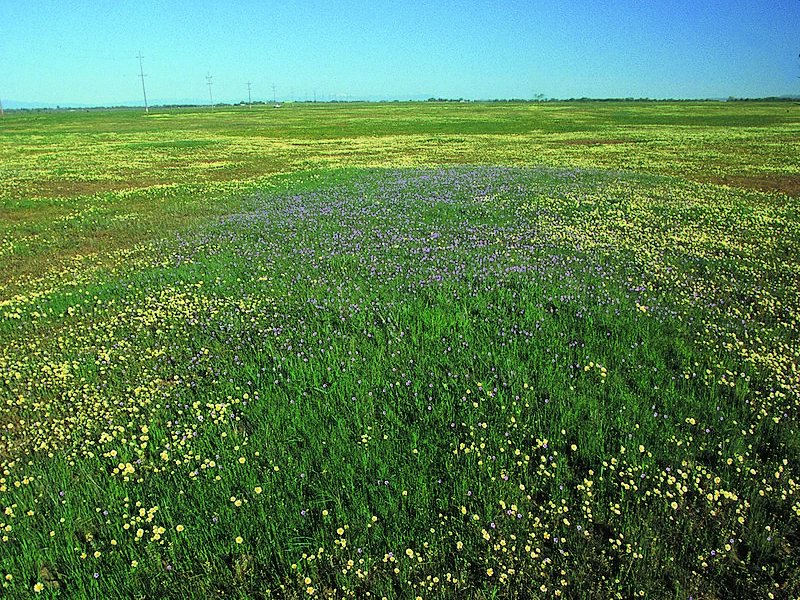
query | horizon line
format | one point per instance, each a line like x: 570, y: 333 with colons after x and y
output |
x: 15, y: 105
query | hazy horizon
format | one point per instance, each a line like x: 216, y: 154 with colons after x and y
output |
x: 11, y: 105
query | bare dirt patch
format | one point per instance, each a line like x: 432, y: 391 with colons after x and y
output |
x: 785, y: 184
x: 595, y: 142
x: 69, y: 189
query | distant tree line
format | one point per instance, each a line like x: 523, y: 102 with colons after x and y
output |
x: 787, y: 99
x: 587, y: 99
x: 767, y: 99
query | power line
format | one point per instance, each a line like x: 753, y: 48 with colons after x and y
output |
x: 144, y: 92
x: 210, y: 97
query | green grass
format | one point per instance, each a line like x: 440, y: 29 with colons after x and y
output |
x: 449, y: 382
x: 137, y: 175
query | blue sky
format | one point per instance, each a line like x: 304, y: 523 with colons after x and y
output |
x: 80, y: 52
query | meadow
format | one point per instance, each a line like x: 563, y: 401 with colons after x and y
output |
x: 402, y: 350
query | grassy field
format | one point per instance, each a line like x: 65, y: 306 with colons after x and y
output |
x: 91, y: 182
x: 401, y: 351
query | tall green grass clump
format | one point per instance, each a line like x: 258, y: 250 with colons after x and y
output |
x: 437, y: 383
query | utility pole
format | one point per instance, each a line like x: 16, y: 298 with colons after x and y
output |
x: 144, y: 92
x: 210, y: 97
x: 249, y: 97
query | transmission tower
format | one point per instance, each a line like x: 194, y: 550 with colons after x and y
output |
x: 210, y: 97
x: 144, y: 91
x: 249, y: 97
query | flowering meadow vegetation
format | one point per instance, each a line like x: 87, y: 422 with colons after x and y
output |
x: 513, y: 379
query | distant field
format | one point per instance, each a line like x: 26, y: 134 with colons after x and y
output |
x: 401, y: 351
x: 78, y: 183
x: 64, y: 154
